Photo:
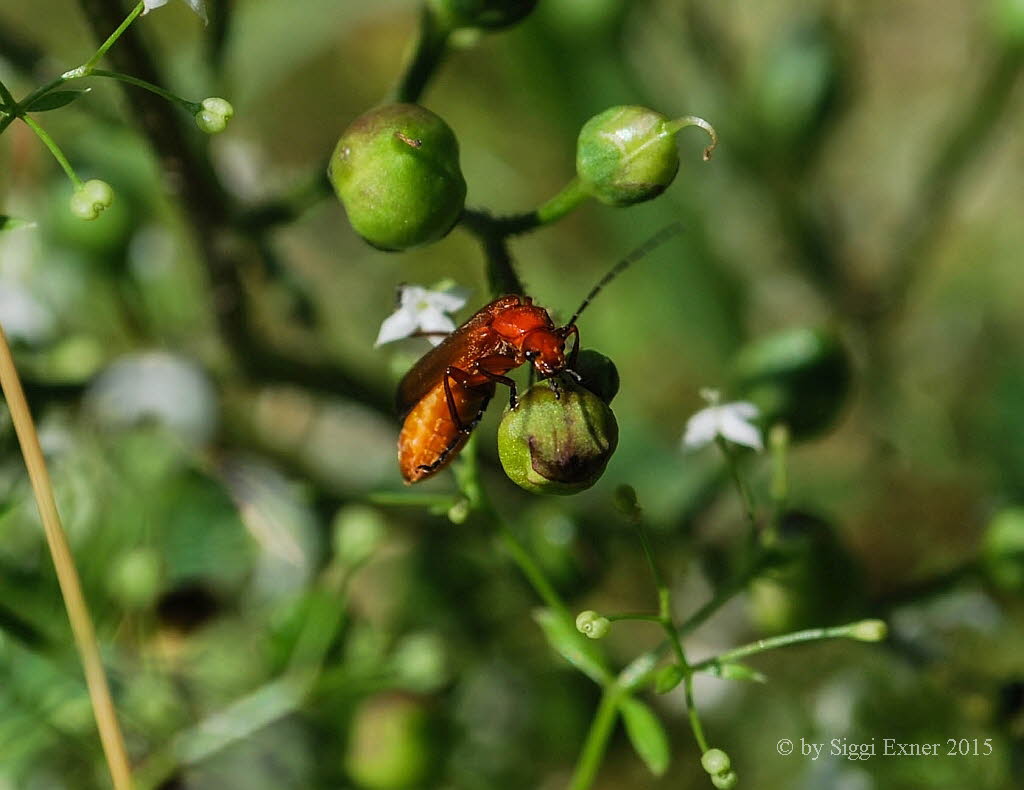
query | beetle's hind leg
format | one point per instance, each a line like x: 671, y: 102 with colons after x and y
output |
x: 460, y: 377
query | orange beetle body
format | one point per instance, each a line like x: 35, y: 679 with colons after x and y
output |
x: 445, y: 394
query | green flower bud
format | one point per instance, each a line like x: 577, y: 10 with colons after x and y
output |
x: 627, y: 154
x: 557, y: 442
x: 390, y: 744
x: 214, y: 116
x: 135, y: 578
x: 725, y: 781
x: 490, y: 14
x: 597, y: 373
x: 89, y: 200
x: 357, y: 531
x: 592, y: 624
x: 869, y: 630
x: 625, y: 501
x: 798, y: 376
x: 1002, y: 550
x: 396, y: 170
x: 715, y: 761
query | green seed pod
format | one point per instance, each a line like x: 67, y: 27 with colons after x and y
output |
x: 557, y: 443
x: 798, y: 376
x: 592, y: 624
x: 489, y: 14
x: 390, y: 744
x: 396, y: 170
x: 725, y: 781
x: 598, y: 374
x: 715, y: 761
x: 1002, y: 550
x: 214, y: 116
x: 627, y: 154
x: 89, y: 200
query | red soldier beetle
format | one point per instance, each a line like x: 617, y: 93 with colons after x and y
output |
x: 445, y: 394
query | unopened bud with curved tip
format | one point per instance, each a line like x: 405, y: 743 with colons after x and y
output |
x: 627, y: 154
x: 593, y: 625
x: 396, y: 170
x: 488, y: 14
x: 725, y: 781
x: 214, y: 115
x: 869, y: 630
x: 90, y: 199
x: 557, y: 441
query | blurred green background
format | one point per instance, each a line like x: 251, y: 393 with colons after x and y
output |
x: 214, y: 484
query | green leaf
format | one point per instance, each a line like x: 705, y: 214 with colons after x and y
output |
x: 668, y: 678
x: 56, y: 99
x: 13, y: 223
x: 646, y: 734
x: 573, y: 646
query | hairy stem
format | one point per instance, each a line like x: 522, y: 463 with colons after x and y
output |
x: 428, y: 54
x: 67, y: 575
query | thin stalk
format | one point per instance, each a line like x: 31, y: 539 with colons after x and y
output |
x: 67, y: 575
x: 54, y: 149
x: 596, y: 743
x: 111, y: 39
x: 784, y: 640
x: 190, y: 106
x: 430, y: 50
x: 5, y: 96
x: 741, y: 486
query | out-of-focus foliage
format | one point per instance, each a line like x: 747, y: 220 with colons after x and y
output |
x: 264, y: 629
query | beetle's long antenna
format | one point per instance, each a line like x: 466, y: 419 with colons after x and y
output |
x: 642, y: 251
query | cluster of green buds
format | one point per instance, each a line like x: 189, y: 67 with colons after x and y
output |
x: 396, y: 170
x: 91, y: 199
x: 592, y: 625
x: 628, y: 154
x: 719, y: 766
x: 559, y: 437
x: 214, y: 114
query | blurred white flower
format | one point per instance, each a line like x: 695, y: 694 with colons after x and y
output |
x: 199, y: 6
x: 155, y: 385
x: 730, y: 421
x: 23, y: 316
x: 421, y: 310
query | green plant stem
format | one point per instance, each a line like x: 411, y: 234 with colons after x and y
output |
x: 111, y: 39
x: 7, y: 100
x: 55, y: 150
x: 67, y: 575
x: 189, y: 106
x: 691, y: 712
x: 594, y: 746
x: 431, y: 47
x: 778, y: 442
x: 784, y: 640
x: 738, y: 482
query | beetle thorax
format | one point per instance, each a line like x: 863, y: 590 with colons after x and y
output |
x: 532, y: 333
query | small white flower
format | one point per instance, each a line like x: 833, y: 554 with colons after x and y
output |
x: 421, y: 310
x: 729, y: 420
x: 199, y: 6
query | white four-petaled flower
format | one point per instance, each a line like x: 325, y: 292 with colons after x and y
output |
x: 422, y: 310
x: 199, y: 6
x: 731, y: 421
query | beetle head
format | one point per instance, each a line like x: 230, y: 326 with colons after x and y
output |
x: 545, y: 350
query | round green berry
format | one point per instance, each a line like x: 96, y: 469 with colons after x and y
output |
x: 715, y: 761
x: 396, y: 171
x: 90, y: 199
x: 214, y: 115
x: 557, y: 441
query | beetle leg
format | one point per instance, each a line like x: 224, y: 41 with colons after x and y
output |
x: 461, y: 377
x: 481, y: 368
x: 421, y: 333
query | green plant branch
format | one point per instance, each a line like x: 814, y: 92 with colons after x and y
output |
x: 54, y: 149
x: 430, y: 49
x: 67, y: 575
x: 596, y: 743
